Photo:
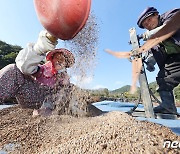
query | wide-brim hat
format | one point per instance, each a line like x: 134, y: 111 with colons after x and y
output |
x: 69, y: 57
x: 146, y: 13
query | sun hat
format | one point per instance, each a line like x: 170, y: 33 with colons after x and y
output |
x: 69, y: 57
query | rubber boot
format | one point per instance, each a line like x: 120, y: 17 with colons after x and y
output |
x: 168, y: 103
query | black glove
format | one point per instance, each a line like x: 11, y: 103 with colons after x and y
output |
x: 150, y: 64
x: 150, y: 67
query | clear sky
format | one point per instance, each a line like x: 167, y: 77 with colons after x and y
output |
x: 19, y: 25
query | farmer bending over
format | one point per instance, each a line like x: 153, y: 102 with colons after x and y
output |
x: 167, y: 56
x: 29, y: 82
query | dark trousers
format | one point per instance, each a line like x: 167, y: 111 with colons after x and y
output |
x: 169, y: 75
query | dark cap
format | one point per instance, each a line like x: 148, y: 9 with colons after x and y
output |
x: 146, y: 13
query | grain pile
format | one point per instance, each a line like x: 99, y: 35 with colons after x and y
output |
x: 114, y: 132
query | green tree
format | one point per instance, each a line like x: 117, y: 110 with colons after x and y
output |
x: 8, y: 53
x: 106, y: 92
x: 177, y: 92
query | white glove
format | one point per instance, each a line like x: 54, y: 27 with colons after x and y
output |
x: 146, y: 35
x: 43, y: 44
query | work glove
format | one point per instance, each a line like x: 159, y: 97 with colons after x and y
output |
x: 150, y: 67
x: 151, y: 64
x: 44, y: 44
x: 147, y: 34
